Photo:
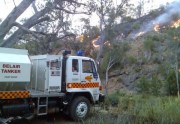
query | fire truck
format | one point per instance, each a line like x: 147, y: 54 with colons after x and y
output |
x: 35, y: 85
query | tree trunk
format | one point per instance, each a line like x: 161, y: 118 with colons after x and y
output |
x: 11, y: 18
x: 106, y: 82
x: 101, y: 46
x: 177, y: 77
x: 28, y: 24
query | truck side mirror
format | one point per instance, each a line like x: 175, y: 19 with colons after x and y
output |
x: 95, y: 75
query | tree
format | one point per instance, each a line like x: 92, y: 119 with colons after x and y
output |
x: 173, y: 40
x: 140, y: 8
x: 107, y: 14
x: 88, y: 35
x: 113, y: 56
x: 49, y: 22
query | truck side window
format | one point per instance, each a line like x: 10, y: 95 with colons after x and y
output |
x: 87, y: 66
x: 75, y: 67
x: 53, y: 65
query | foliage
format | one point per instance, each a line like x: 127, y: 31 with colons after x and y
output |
x: 114, y: 98
x: 171, y: 83
x: 136, y: 26
x: 117, y: 51
x: 131, y: 60
x: 32, y: 47
x: 143, y: 85
x: 151, y: 86
x: 49, y: 24
x: 88, y: 34
x: 140, y: 109
x: 173, y: 41
x: 151, y: 41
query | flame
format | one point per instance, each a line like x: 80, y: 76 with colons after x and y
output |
x: 157, y: 28
x: 176, y: 24
x: 81, y: 37
x: 96, y: 46
x: 94, y: 42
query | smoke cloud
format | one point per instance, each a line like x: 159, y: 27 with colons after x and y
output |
x: 172, y: 13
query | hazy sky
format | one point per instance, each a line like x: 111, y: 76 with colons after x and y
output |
x: 7, y: 5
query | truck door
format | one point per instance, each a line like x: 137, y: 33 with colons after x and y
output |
x: 89, y: 74
x: 54, y: 75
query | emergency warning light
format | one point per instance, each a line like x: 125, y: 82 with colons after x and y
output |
x: 80, y: 53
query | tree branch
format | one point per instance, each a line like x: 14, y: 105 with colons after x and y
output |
x: 34, y: 7
x: 26, y: 30
x: 14, y: 3
x: 11, y: 18
x: 66, y: 35
x: 70, y: 12
x: 37, y: 18
x: 28, y: 24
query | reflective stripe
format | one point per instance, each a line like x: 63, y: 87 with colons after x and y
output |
x: 83, y: 85
x: 14, y: 94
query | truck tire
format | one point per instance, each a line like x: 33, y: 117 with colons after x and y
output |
x: 79, y: 108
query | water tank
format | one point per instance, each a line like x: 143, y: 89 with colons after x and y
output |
x: 15, y: 69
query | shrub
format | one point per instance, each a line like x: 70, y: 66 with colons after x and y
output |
x: 151, y: 86
x: 143, y: 85
x: 131, y: 60
x: 170, y: 85
x: 148, y: 44
x: 114, y: 98
x: 139, y: 109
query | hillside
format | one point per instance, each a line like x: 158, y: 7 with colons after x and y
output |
x: 149, y: 63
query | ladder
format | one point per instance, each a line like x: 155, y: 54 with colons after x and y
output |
x: 42, y: 106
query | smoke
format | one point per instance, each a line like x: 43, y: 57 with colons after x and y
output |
x: 172, y: 13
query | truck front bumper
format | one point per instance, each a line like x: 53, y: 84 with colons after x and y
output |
x: 101, y: 97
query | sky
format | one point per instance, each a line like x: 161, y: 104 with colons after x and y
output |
x: 7, y: 5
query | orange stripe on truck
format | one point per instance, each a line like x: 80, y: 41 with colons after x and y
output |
x: 14, y: 94
x: 83, y: 85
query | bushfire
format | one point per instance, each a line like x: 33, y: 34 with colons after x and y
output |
x: 174, y: 24
x: 157, y: 28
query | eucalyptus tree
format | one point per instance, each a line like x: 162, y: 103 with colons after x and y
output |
x: 49, y: 23
x: 173, y: 41
x: 114, y: 55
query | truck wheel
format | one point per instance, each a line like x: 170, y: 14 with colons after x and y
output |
x: 79, y: 108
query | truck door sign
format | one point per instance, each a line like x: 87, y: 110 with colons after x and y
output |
x: 8, y: 68
x: 88, y: 78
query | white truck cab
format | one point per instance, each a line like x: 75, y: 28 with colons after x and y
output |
x: 84, y: 78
